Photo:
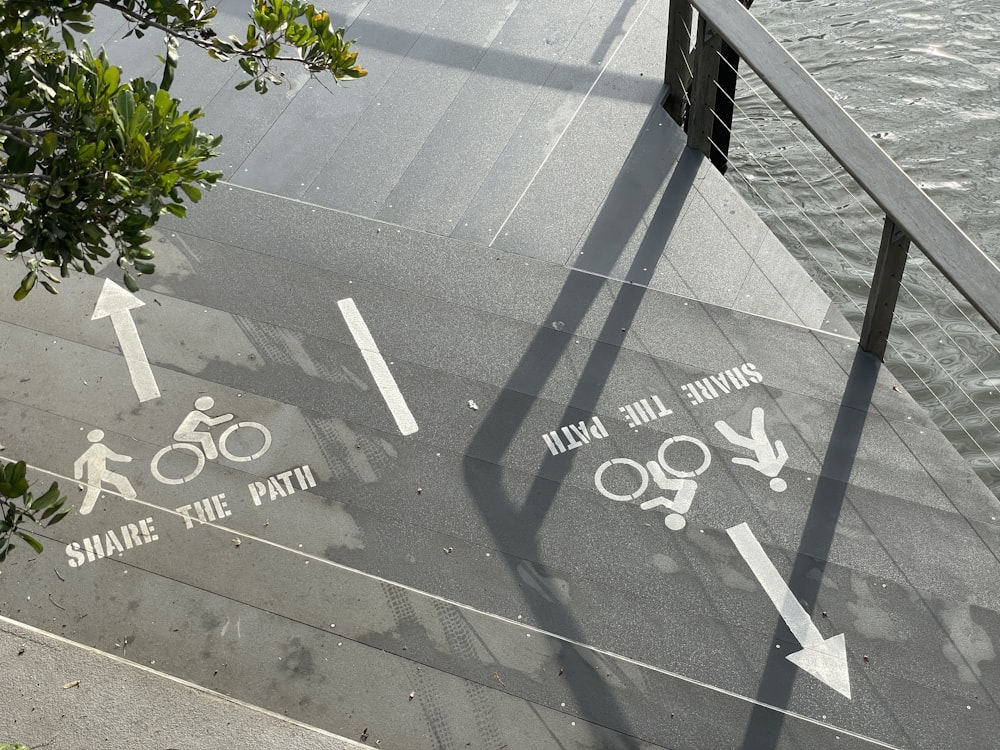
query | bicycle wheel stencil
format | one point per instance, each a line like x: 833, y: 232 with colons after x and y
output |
x: 633, y: 478
x: 185, y: 459
x: 237, y: 441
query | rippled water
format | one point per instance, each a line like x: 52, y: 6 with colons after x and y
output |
x: 922, y: 77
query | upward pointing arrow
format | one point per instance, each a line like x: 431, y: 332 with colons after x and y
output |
x: 116, y: 303
x: 824, y: 659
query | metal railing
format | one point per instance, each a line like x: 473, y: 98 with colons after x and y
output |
x: 700, y: 71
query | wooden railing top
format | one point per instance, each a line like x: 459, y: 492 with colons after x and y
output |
x: 972, y: 272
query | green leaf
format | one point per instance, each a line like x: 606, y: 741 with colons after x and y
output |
x: 130, y: 282
x: 26, y: 284
x: 169, y: 64
x: 191, y: 191
x: 125, y: 107
x: 59, y: 516
x: 50, y: 142
x: 112, y: 76
x: 45, y: 88
x: 48, y: 513
x: 95, y: 149
x: 35, y: 544
x: 20, y: 157
x: 50, y: 497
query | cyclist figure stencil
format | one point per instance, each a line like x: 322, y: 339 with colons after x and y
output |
x: 188, y: 431
x: 680, y: 481
x: 194, y: 438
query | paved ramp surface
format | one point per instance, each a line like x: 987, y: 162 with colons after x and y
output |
x: 475, y: 412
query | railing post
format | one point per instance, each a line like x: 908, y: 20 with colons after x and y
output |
x: 725, y: 99
x: 701, y: 116
x: 677, y: 70
x: 885, y: 289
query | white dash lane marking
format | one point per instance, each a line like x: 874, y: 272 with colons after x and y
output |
x: 379, y: 369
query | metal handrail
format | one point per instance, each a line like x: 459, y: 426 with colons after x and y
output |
x: 910, y: 214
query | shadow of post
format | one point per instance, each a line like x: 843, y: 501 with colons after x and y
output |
x: 621, y: 213
x: 765, y: 725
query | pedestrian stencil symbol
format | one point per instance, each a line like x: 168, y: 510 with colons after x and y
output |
x: 769, y: 458
x: 669, y: 484
x: 195, y: 444
x: 92, y: 468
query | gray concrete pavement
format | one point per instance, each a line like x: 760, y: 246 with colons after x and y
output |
x: 59, y: 694
x: 503, y: 375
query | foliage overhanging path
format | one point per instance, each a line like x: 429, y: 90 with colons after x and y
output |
x: 90, y: 161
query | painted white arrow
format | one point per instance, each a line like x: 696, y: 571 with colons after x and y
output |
x: 116, y: 303
x: 825, y: 659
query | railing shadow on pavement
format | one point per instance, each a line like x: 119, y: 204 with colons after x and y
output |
x: 482, y: 463
x: 765, y: 726
x: 702, y: 82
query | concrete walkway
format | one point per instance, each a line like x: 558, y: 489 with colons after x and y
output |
x: 531, y: 435
x: 59, y: 694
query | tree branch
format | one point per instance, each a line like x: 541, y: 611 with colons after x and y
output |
x: 5, y: 176
x: 13, y: 129
x: 196, y: 40
x: 4, y: 134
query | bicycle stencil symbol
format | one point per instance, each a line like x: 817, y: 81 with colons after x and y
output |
x: 681, y: 483
x: 201, y: 442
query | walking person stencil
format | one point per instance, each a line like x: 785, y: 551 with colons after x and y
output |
x: 94, y: 464
x: 769, y: 458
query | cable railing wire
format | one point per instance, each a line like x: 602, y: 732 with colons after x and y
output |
x: 988, y: 335
x: 834, y: 245
x: 846, y: 294
x: 900, y: 355
x: 850, y: 193
x: 971, y: 356
x: 943, y: 291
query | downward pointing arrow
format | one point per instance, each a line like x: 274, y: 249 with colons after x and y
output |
x: 115, y: 303
x: 824, y: 659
